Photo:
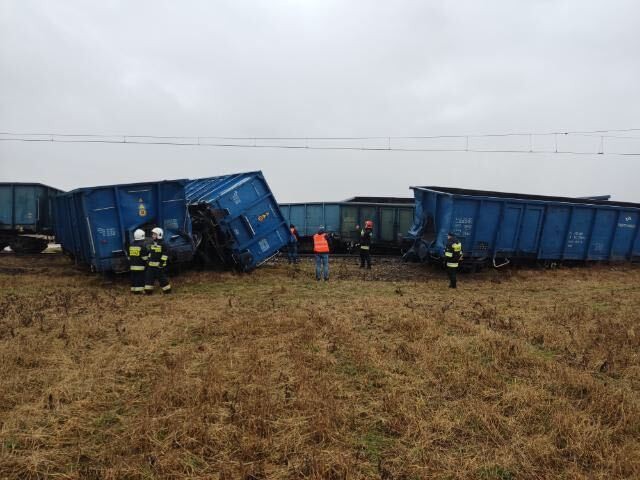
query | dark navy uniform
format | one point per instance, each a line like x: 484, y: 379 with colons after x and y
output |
x: 365, y: 248
x: 156, y: 268
x: 138, y: 256
x: 453, y: 256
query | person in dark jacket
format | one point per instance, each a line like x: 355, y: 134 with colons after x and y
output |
x: 138, y: 254
x: 365, y: 244
x: 158, y: 257
x: 452, y: 258
x: 292, y: 247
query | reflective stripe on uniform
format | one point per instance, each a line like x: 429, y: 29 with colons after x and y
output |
x: 448, y: 254
x: 148, y: 287
x: 137, y: 268
x: 154, y: 264
x: 166, y: 287
x: 364, y: 247
x: 452, y: 264
x: 164, y: 258
x: 137, y: 289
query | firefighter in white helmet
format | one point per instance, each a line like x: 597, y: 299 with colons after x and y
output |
x: 138, y: 256
x: 157, y: 264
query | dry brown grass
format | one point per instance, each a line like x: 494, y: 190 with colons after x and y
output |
x: 520, y: 375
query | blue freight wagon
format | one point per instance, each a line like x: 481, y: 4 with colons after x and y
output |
x: 497, y: 228
x: 392, y: 218
x: 236, y: 220
x: 26, y: 216
x: 95, y: 224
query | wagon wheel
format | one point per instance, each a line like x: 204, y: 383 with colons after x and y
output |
x: 28, y: 245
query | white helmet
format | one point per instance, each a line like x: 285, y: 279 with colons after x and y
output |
x: 138, y: 234
x: 158, y: 231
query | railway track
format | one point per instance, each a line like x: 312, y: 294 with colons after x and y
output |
x: 355, y: 256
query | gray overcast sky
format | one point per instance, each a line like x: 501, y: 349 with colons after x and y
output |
x: 322, y: 68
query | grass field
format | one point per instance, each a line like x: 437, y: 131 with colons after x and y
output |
x: 519, y: 374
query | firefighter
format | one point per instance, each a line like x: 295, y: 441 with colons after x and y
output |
x: 158, y: 257
x: 321, y: 250
x: 138, y: 255
x: 365, y: 244
x: 292, y: 247
x: 452, y: 257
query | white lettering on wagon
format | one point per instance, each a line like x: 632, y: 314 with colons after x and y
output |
x: 463, y: 226
x: 575, y: 239
x: 626, y: 225
x: 106, y: 232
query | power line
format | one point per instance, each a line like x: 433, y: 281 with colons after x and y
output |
x: 595, y: 133
x: 200, y: 143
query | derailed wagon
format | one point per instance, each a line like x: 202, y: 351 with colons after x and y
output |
x: 498, y: 228
x: 94, y: 224
x: 231, y: 221
x: 26, y: 216
x: 236, y: 220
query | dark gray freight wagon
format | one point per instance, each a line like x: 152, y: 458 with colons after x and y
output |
x: 26, y: 216
x: 392, y: 218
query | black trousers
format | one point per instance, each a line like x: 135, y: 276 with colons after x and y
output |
x: 365, y: 258
x: 137, y: 281
x: 153, y: 274
x: 451, y: 272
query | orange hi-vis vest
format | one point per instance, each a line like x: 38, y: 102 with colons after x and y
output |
x: 320, y: 243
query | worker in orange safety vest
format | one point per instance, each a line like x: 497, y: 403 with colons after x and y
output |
x: 321, y: 250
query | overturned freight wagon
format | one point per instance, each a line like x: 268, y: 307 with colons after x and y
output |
x: 392, y: 218
x: 236, y: 220
x: 498, y: 228
x: 26, y: 216
x: 94, y: 225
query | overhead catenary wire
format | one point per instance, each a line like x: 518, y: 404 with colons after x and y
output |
x: 231, y: 142
x: 309, y: 147
x: 597, y: 133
